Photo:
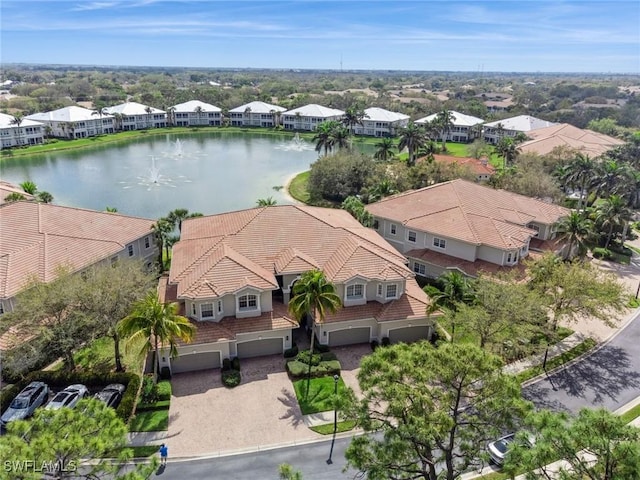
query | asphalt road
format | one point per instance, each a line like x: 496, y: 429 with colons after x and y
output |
x: 608, y: 378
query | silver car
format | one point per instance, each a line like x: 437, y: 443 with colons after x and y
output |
x: 499, y: 448
x: 68, y: 397
x: 25, y: 403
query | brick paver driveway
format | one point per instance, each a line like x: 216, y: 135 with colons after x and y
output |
x: 207, y: 419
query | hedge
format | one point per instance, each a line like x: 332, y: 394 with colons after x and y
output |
x: 301, y: 370
x: 164, y: 390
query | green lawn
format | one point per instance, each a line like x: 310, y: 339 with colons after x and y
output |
x: 328, y: 429
x: 99, y: 356
x: 150, y: 421
x: 320, y: 394
x: 298, y: 187
x: 558, y: 361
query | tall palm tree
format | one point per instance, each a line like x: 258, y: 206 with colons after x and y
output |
x: 340, y: 137
x: 322, y: 136
x: 149, y: 111
x: 412, y: 137
x: 176, y: 217
x: 100, y: 112
x: 199, y: 111
x: 161, y: 230
x: 429, y: 149
x: 444, y: 121
x: 613, y: 213
x: 17, y: 121
x: 266, y: 202
x: 575, y: 230
x: 384, y: 149
x: 579, y: 172
x: 383, y: 188
x: 171, y: 116
x: 153, y: 323
x: 613, y: 178
x: 118, y: 119
x: 508, y: 150
x: 313, y: 297
x: 353, y: 115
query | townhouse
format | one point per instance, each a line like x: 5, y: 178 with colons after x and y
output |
x: 75, y: 122
x: 194, y: 113
x: 308, y: 117
x: 256, y: 114
x: 492, y: 132
x: 379, y: 122
x: 135, y: 116
x: 461, y: 131
x: 14, y: 133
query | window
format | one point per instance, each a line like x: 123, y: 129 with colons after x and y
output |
x: 439, y: 242
x: 206, y: 310
x: 147, y: 242
x: 379, y: 290
x: 512, y: 257
x: 534, y: 227
x: 248, y: 302
x: 419, y: 268
x: 376, y: 224
x: 355, y: 291
x: 193, y: 309
x: 130, y: 250
x: 411, y: 236
x: 1, y: 308
x: 393, y: 229
x: 219, y: 306
x: 392, y: 291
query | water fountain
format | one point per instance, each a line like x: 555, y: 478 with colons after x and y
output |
x: 296, y: 144
x: 154, y: 172
x: 177, y: 149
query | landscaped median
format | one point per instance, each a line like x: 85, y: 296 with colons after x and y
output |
x: 152, y: 410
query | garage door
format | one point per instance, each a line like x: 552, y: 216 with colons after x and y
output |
x: 195, y: 361
x: 350, y: 336
x: 409, y: 334
x: 259, y: 348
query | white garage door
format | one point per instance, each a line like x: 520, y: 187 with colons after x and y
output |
x: 195, y: 361
x: 260, y: 348
x: 350, y: 336
x: 409, y: 334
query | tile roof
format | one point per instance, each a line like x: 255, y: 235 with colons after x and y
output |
x: 221, y: 253
x: 36, y: 238
x: 521, y: 123
x: 66, y: 114
x: 191, y: 106
x: 7, y: 188
x: 476, y: 166
x: 459, y: 119
x: 132, y: 108
x: 258, y: 107
x: 375, y: 114
x: 6, y: 121
x: 469, y: 212
x: 314, y: 110
x: 544, y: 140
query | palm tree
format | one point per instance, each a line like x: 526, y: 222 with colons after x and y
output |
x: 44, y: 197
x: 199, y: 111
x: 17, y: 121
x: 412, y: 137
x: 246, y: 117
x: 149, y: 111
x: 48, y: 131
x: 176, y: 217
x: 171, y: 116
x: 161, y: 230
x: 322, y: 136
x: 613, y: 213
x: 313, y: 297
x: 353, y: 115
x: 508, y: 150
x: 456, y: 289
x: 340, y: 137
x: 29, y: 187
x: 153, y: 323
x: 613, y: 178
x: 266, y: 202
x: 575, y: 229
x: 118, y: 120
x: 100, y: 112
x: 444, y: 121
x: 383, y: 188
x: 429, y: 149
x: 580, y: 173
x: 14, y: 197
x: 384, y: 149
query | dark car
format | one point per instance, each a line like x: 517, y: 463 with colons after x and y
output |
x: 25, y: 403
x: 111, y: 394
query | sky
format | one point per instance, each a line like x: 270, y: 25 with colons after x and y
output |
x: 426, y: 35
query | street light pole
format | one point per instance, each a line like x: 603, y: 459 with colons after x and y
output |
x: 336, y: 378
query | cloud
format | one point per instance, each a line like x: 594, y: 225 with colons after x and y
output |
x: 93, y: 6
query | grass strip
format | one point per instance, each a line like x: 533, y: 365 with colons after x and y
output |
x: 631, y: 414
x: 344, y: 426
x: 150, y: 421
x: 558, y: 361
x: 159, y: 405
x: 320, y: 398
x: 298, y: 187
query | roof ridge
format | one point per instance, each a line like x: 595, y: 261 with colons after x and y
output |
x: 470, y: 224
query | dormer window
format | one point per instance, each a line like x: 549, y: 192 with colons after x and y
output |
x: 392, y: 291
x: 206, y: 310
x: 247, y: 302
x: 355, y: 292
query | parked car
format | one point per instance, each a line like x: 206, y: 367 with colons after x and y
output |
x: 498, y: 449
x: 111, y: 394
x: 68, y: 397
x: 25, y: 403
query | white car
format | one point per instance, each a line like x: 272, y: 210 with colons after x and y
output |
x: 498, y: 449
x: 68, y: 397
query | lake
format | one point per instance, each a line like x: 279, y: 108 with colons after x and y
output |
x: 209, y: 172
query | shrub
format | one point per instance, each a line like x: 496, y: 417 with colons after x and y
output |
x: 298, y: 369
x: 374, y: 345
x: 226, y: 365
x: 164, y: 390
x: 235, y: 363
x: 127, y: 405
x: 385, y: 342
x: 149, y: 393
x: 231, y: 378
x: 604, y: 253
x: 291, y: 352
x: 304, y: 357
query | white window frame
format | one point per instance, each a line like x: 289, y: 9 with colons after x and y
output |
x: 220, y: 306
x: 420, y: 268
x: 130, y: 250
x: 194, y: 311
x: 415, y: 236
x: 393, y: 229
x: 439, y: 243
x: 147, y: 242
x: 379, y: 290
x: 386, y: 291
x: 202, y: 310
x: 248, y: 308
x: 353, y: 288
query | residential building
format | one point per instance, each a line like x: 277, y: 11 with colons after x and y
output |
x: 379, y: 122
x: 510, y: 127
x: 482, y: 169
x: 194, y: 113
x: 233, y: 275
x: 74, y: 122
x: 256, y: 114
x: 135, y: 116
x: 37, y: 238
x: 464, y: 226
x: 29, y: 132
x: 461, y: 131
x: 544, y: 140
x: 309, y: 116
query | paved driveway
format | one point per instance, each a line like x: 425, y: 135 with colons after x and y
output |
x: 206, y: 418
